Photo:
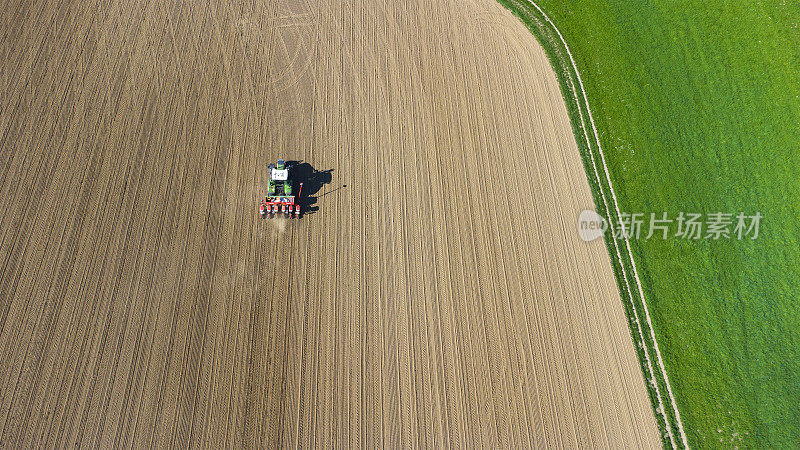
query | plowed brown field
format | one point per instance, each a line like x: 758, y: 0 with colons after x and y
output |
x: 439, y: 295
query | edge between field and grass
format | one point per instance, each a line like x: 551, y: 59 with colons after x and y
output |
x: 628, y: 281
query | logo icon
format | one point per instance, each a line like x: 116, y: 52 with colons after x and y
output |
x: 591, y: 225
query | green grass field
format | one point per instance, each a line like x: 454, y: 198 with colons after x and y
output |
x: 698, y: 108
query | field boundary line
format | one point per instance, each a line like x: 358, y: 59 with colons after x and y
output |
x: 635, y: 275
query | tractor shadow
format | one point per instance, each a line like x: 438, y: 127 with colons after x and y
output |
x: 313, y: 180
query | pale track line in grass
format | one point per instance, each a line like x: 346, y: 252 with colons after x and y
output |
x: 659, y: 359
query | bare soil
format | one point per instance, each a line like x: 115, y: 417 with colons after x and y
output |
x: 436, y: 293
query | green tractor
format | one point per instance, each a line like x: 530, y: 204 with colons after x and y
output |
x: 279, y: 181
x: 280, y: 198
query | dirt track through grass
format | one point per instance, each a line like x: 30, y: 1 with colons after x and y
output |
x: 441, y: 298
